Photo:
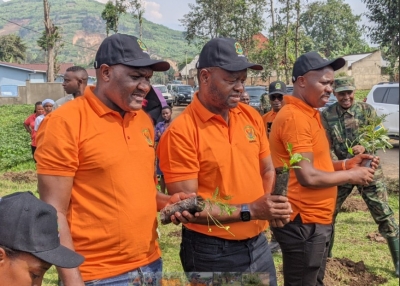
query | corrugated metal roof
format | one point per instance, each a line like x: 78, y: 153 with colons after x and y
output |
x: 350, y: 59
x: 191, y: 65
x: 37, y: 67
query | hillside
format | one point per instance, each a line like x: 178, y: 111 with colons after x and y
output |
x: 83, y: 29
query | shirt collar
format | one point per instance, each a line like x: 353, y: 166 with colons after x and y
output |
x: 308, y: 110
x: 341, y: 110
x: 97, y: 105
x: 203, y: 113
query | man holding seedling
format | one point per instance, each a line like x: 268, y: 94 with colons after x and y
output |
x: 312, y: 187
x: 95, y: 164
x: 218, y: 148
x: 342, y: 121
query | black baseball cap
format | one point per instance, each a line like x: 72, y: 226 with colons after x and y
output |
x: 225, y: 53
x: 277, y: 87
x: 30, y: 225
x: 126, y: 50
x: 313, y: 61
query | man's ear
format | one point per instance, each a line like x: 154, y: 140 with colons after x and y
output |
x: 204, y: 75
x: 301, y: 81
x: 3, y: 257
x: 105, y: 71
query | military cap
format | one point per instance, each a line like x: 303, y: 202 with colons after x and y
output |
x: 344, y: 83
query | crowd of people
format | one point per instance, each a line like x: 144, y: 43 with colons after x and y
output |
x: 96, y: 167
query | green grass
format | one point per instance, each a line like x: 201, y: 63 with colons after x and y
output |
x: 351, y: 241
x: 361, y: 94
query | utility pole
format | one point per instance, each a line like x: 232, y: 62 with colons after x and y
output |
x: 187, y: 80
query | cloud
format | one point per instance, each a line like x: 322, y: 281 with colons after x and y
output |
x: 152, y: 11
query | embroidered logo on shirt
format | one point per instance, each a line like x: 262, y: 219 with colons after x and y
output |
x: 146, y: 134
x: 250, y: 133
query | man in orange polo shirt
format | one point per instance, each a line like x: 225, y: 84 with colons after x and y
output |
x: 95, y: 163
x: 312, y: 188
x: 276, y: 91
x: 219, y: 143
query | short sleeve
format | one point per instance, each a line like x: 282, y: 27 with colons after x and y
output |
x: 57, y: 147
x: 177, y: 153
x: 297, y: 131
x: 38, y: 121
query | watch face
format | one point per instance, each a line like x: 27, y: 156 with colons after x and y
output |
x: 245, y: 216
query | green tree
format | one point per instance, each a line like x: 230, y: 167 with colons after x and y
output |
x: 137, y: 10
x: 238, y: 19
x: 385, y: 30
x: 332, y: 26
x: 111, y: 14
x: 51, y: 43
x: 12, y: 49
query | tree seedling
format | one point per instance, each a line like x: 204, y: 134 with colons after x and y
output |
x: 293, y: 159
x: 373, y: 136
x: 282, y: 173
x: 198, y: 204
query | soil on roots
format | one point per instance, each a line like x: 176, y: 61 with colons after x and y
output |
x: 21, y: 177
x: 343, y: 271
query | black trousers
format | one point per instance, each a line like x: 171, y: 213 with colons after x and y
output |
x: 304, y: 251
x: 33, y: 148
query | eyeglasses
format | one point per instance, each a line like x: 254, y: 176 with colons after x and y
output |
x: 274, y: 97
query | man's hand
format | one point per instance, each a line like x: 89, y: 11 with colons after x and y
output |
x: 361, y: 176
x: 357, y: 160
x: 185, y: 216
x: 276, y: 209
x: 358, y: 149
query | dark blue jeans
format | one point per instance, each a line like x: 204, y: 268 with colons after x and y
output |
x: 203, y: 253
x: 149, y: 275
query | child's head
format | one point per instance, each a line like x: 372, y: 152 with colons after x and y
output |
x: 29, y: 241
x: 166, y: 113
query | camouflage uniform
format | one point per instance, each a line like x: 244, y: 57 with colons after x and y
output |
x: 342, y: 128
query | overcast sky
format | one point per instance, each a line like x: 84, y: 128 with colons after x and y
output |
x: 168, y: 12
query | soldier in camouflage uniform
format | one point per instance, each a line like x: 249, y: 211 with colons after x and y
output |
x: 341, y: 121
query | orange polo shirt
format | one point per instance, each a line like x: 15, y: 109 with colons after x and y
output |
x: 300, y: 124
x: 269, y: 117
x: 112, y: 212
x: 201, y: 145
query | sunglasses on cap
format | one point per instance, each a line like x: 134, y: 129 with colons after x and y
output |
x: 276, y: 96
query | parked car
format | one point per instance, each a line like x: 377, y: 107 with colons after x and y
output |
x: 255, y: 93
x: 384, y: 97
x: 182, y: 94
x: 170, y: 85
x: 168, y: 97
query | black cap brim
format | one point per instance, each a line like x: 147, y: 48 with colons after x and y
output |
x: 335, y: 64
x: 61, y: 257
x: 242, y: 65
x: 155, y: 65
x: 277, y: 92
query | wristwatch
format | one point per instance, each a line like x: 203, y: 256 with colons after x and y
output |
x: 245, y: 213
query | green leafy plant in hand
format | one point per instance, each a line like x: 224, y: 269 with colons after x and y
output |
x: 373, y: 136
x: 293, y: 159
x: 208, y: 204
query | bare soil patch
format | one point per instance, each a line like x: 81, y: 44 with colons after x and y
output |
x: 354, y: 204
x: 21, y: 177
x: 176, y: 233
x: 377, y: 237
x: 343, y: 271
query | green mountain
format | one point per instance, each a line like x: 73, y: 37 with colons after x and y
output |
x: 83, y: 29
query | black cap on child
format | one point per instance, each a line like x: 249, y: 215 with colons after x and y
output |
x: 30, y: 225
